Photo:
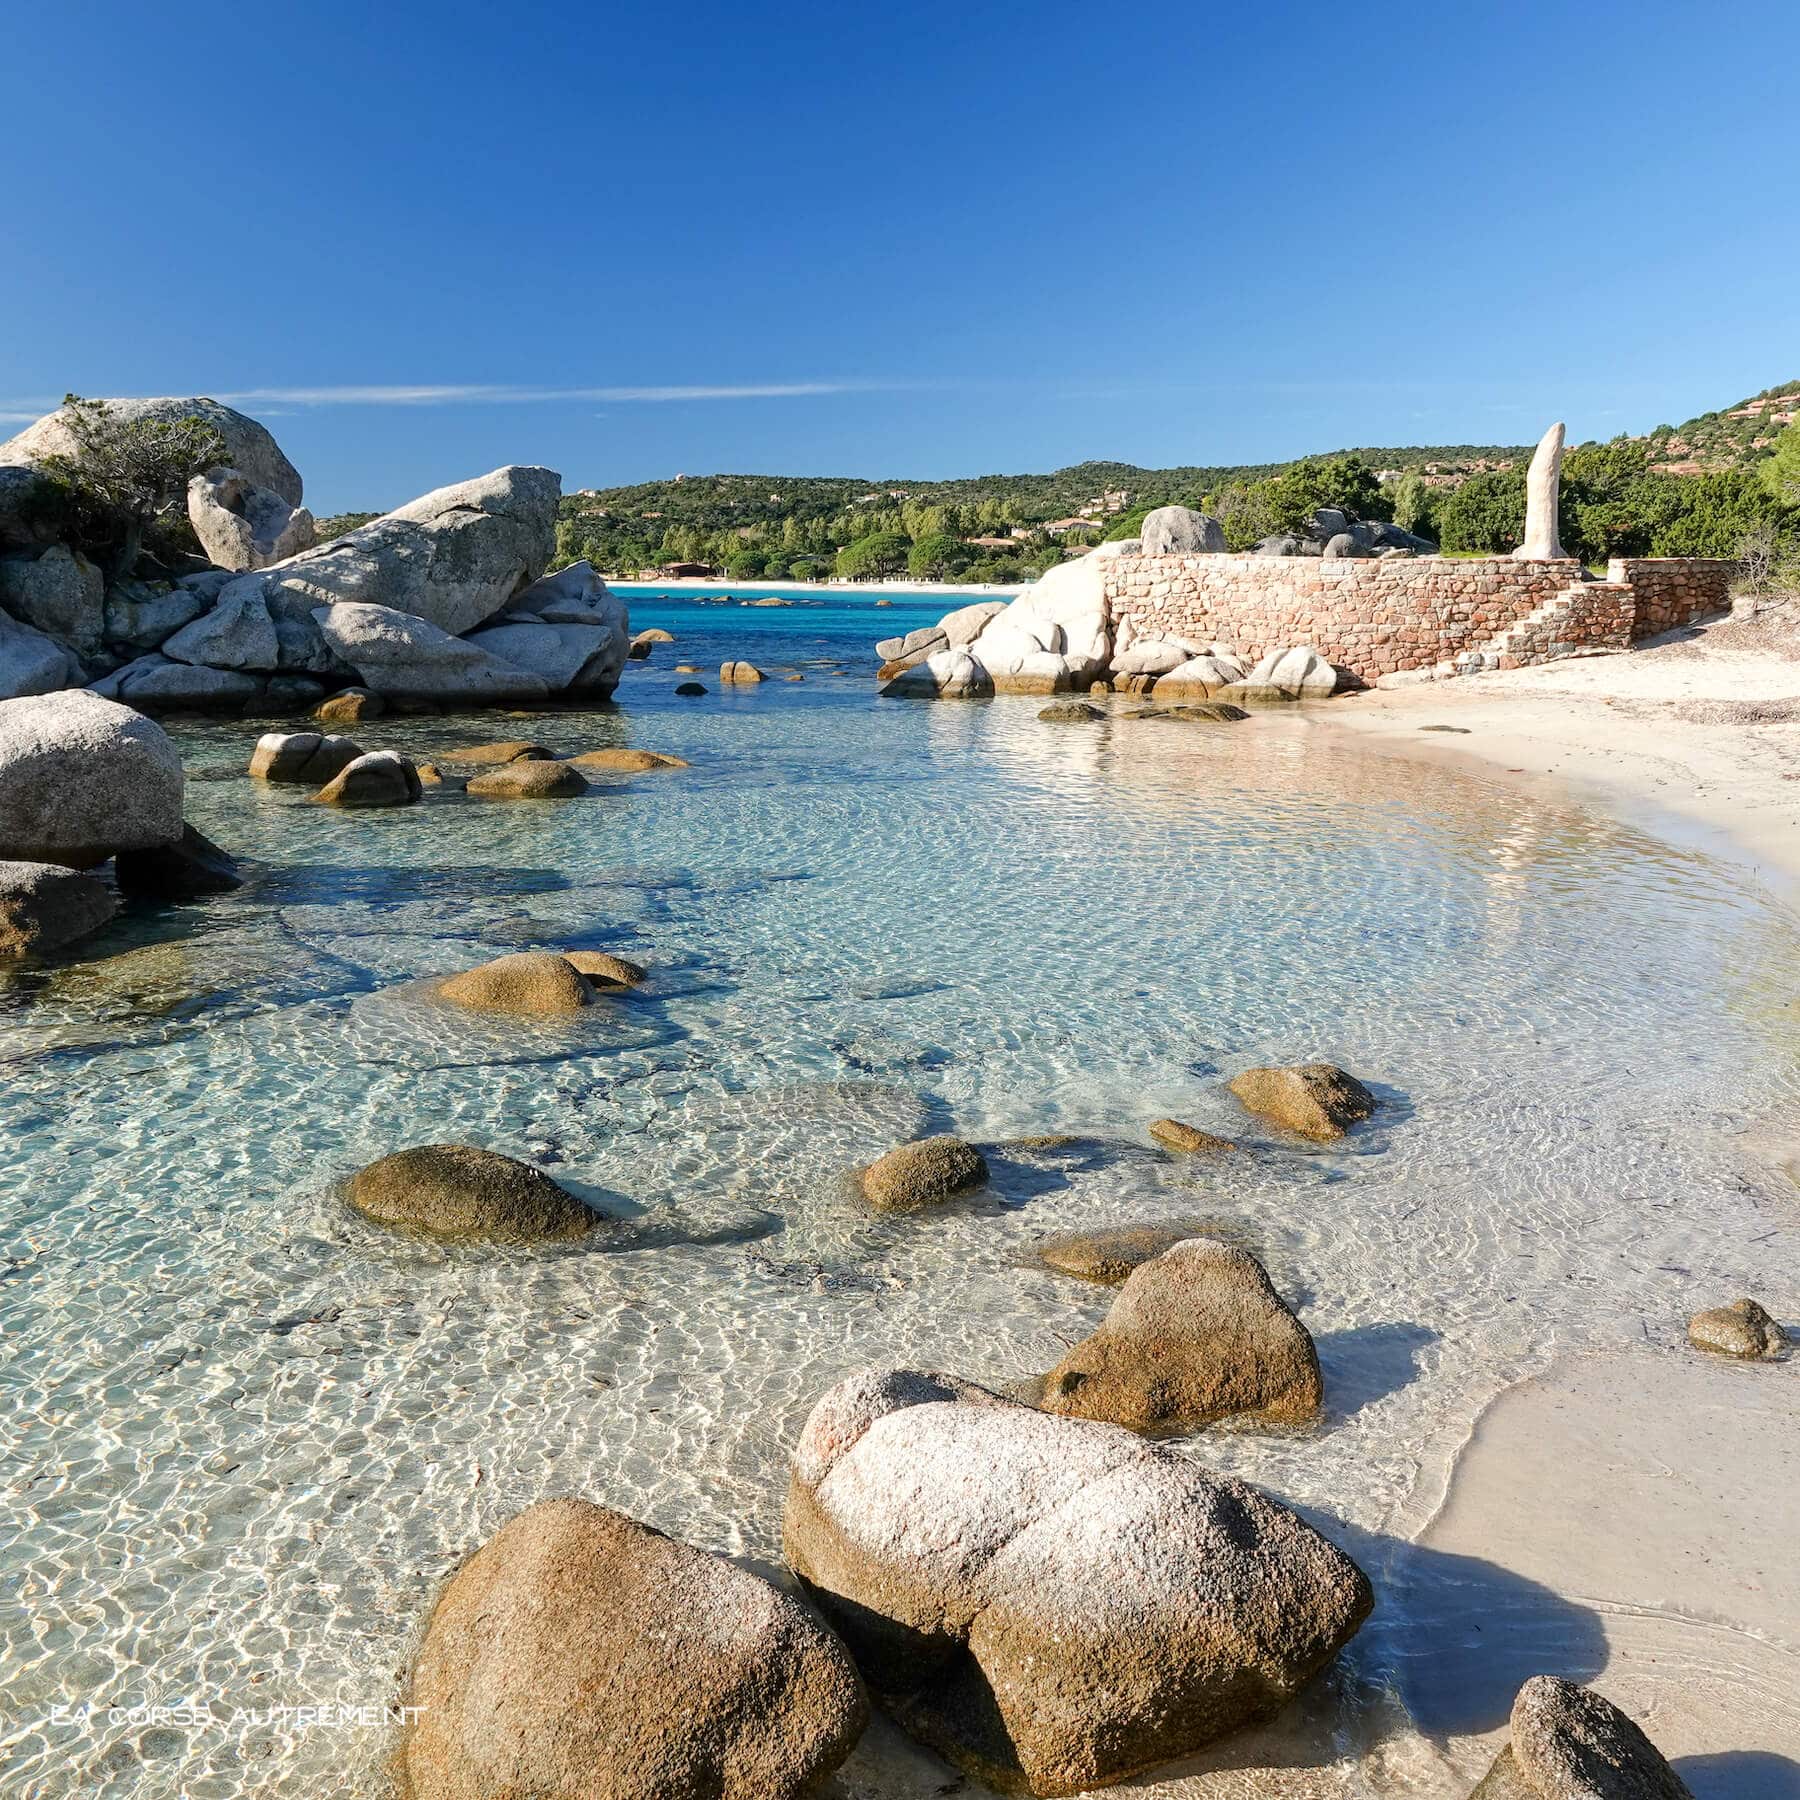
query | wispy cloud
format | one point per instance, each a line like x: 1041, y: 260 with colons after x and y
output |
x: 479, y: 394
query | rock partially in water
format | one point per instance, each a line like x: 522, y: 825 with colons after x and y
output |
x: 1196, y: 1335
x: 1109, y: 1254
x: 579, y: 1655
x: 459, y: 1191
x: 1316, y: 1100
x: 1188, y: 1138
x: 1052, y: 1603
x: 1070, y: 712
x: 627, y: 762
x: 82, y: 777
x: 402, y: 656
x: 349, y: 706
x: 1212, y: 712
x: 740, y: 674
x: 509, y: 750
x: 377, y: 778
x: 536, y: 982
x: 688, y: 688
x: 1742, y: 1329
x: 311, y: 757
x: 605, y: 970
x: 1570, y: 1744
x: 530, y: 780
x: 191, y: 867
x: 44, y: 906
x: 922, y: 1174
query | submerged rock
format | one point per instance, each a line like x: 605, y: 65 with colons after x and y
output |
x: 1070, y: 712
x: 605, y: 970
x: 458, y: 1191
x: 1109, y: 1254
x: 1054, y: 1604
x: 185, y: 870
x: 530, y: 780
x: 312, y: 757
x: 627, y: 762
x: 1742, y: 1329
x: 1317, y: 1100
x: 532, y: 981
x: 689, y: 688
x: 921, y: 1174
x: 579, y: 1655
x: 1570, y: 1744
x: 377, y: 778
x: 82, y: 778
x: 510, y: 750
x: 44, y: 906
x: 1190, y: 1138
x: 1197, y: 1334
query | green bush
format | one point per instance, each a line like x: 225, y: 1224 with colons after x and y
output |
x: 880, y: 553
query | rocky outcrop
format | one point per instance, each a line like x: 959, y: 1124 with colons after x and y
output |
x: 914, y: 647
x: 31, y: 513
x: 529, y: 780
x: 376, y: 778
x: 1298, y: 674
x: 352, y: 705
x: 1070, y: 712
x: 400, y: 654
x: 82, y: 778
x: 1196, y: 1335
x: 1743, y: 1330
x: 505, y: 750
x: 45, y: 906
x: 1052, y: 1603
x: 248, y: 445
x: 1180, y: 531
x: 140, y: 615
x: 188, y: 869
x: 1211, y: 672
x: 569, y: 628
x: 604, y: 970
x: 627, y: 762
x: 459, y: 1191
x: 1188, y: 1138
x: 536, y: 983
x: 948, y: 675
x: 1570, y: 1744
x: 302, y: 756
x: 242, y: 526
x: 1315, y: 1100
x: 963, y: 626
x: 31, y: 663
x: 59, y: 593
x: 922, y: 1174
x: 156, y: 684
x: 580, y: 1655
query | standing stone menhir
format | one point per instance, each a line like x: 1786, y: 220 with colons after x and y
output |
x: 1543, y: 489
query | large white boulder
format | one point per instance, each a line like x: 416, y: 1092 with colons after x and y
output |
x: 395, y: 653
x: 1297, y: 674
x: 454, y: 557
x: 238, y: 633
x: 1204, y: 675
x: 571, y: 596
x: 962, y: 627
x: 157, y: 684
x: 1069, y: 599
x: 139, y: 615
x: 1150, y: 656
x: 1056, y: 1604
x: 248, y: 445
x: 81, y: 778
x: 31, y: 663
x: 59, y: 592
x: 1180, y: 531
x: 947, y: 675
x: 569, y: 627
x: 243, y: 526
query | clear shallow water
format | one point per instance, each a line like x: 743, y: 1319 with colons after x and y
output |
x: 247, y: 1436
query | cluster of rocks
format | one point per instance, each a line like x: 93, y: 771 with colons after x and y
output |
x: 85, y: 782
x: 445, y: 599
x: 1059, y: 636
x: 1334, y: 532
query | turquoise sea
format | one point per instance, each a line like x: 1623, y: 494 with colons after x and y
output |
x: 246, y: 1435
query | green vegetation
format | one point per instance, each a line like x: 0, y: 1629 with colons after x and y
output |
x: 1780, y: 475
x: 123, y: 488
x: 336, y: 524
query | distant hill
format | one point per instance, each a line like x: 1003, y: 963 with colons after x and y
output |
x: 1733, y: 438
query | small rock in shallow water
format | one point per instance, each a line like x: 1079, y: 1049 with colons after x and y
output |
x: 1187, y: 1137
x: 921, y: 1174
x: 44, y: 906
x: 1210, y: 712
x: 689, y: 687
x: 1197, y: 1334
x: 531, y: 780
x: 511, y: 750
x: 606, y: 970
x: 301, y: 756
x: 1109, y: 1254
x: 1742, y: 1329
x: 379, y: 778
x: 536, y: 982
x: 1070, y: 712
x: 627, y: 762
x: 740, y: 674
x: 1316, y: 1100
x: 1570, y: 1744
x: 579, y: 1654
x: 349, y: 706
x: 459, y: 1191
x: 687, y: 668
x: 180, y: 871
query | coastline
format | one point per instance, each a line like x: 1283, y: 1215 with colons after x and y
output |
x: 923, y: 590
x: 1695, y: 737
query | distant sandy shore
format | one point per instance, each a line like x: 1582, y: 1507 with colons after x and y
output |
x: 1695, y: 736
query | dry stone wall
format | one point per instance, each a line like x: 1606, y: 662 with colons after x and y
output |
x: 1393, y: 614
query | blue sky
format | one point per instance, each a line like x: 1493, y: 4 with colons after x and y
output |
x: 927, y: 240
